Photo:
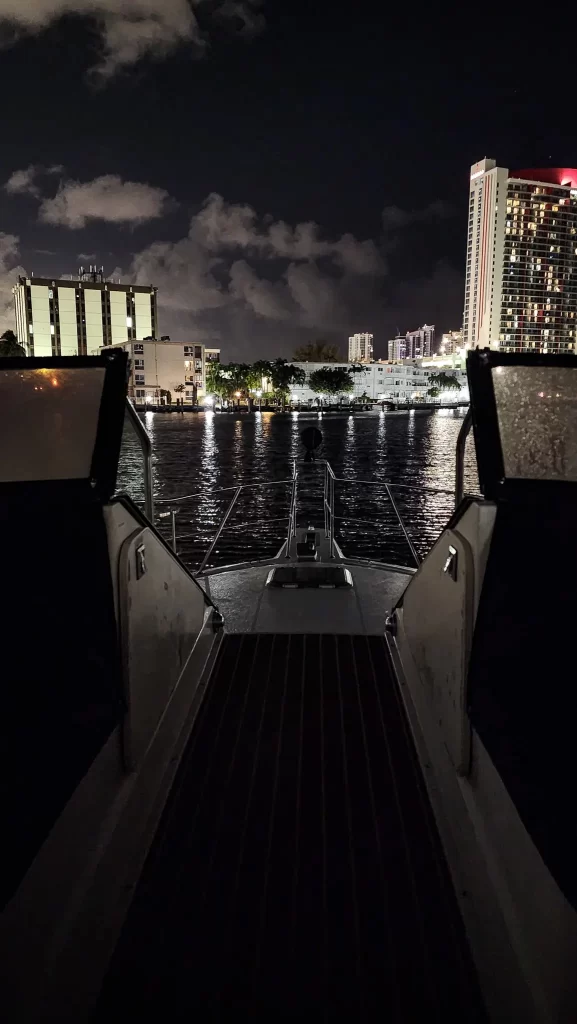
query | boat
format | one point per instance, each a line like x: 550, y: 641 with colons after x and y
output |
x: 304, y: 783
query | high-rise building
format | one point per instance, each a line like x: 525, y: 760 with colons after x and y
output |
x: 78, y: 316
x: 397, y: 348
x: 420, y: 344
x: 451, y: 343
x: 361, y: 348
x: 521, y: 275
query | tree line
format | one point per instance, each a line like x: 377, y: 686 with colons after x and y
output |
x: 273, y: 380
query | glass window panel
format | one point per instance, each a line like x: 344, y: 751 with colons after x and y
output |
x: 537, y: 416
x: 51, y: 418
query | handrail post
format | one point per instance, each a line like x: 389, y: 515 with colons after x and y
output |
x: 292, y: 511
x: 146, y: 447
x: 460, y: 463
x: 173, y: 517
x: 332, y: 515
x: 223, y: 522
x: 330, y: 507
x: 326, y: 499
x: 414, y: 551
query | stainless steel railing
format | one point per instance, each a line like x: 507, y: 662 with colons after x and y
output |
x: 330, y: 483
x: 144, y: 441
x: 460, y: 456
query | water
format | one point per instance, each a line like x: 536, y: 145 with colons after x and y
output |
x: 198, y: 454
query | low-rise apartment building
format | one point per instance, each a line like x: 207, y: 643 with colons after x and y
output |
x: 398, y: 382
x: 167, y: 372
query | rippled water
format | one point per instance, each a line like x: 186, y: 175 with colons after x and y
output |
x: 198, y: 454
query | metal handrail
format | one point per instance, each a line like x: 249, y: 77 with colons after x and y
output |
x: 292, y: 510
x: 460, y: 456
x: 289, y: 480
x: 219, y: 531
x: 404, y: 529
x: 146, y: 447
x: 389, y: 483
x: 330, y: 519
x: 224, y: 490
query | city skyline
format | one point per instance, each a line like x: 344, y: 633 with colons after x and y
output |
x: 244, y: 167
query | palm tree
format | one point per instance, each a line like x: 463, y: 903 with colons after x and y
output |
x: 442, y: 382
x: 10, y: 346
x: 317, y: 352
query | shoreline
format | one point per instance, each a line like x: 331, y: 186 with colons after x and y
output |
x: 420, y: 407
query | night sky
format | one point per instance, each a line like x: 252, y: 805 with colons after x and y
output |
x: 283, y: 172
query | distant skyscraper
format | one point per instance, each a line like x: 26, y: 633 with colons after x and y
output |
x: 360, y: 348
x: 451, y: 343
x: 421, y: 343
x: 521, y: 276
x: 398, y: 348
x: 77, y: 316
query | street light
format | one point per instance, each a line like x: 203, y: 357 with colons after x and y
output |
x: 258, y: 394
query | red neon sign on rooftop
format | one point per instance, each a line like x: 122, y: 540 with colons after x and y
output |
x: 549, y: 175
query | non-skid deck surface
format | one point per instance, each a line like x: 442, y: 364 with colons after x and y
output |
x: 297, y: 868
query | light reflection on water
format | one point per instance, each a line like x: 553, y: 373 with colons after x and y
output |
x: 202, y: 452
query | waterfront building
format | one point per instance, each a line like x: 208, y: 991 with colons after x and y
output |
x: 397, y: 382
x: 420, y: 344
x: 77, y: 316
x: 158, y: 369
x: 361, y: 348
x: 451, y: 343
x: 397, y: 347
x: 521, y: 271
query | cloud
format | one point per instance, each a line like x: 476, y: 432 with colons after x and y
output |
x: 9, y: 272
x: 266, y: 299
x: 222, y: 225
x: 106, y: 198
x: 395, y: 217
x: 132, y: 29
x: 183, y: 272
x: 259, y: 285
x: 24, y: 181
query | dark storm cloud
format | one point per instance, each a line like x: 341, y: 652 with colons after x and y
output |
x: 9, y: 271
x: 259, y: 284
x: 256, y: 285
x: 131, y: 29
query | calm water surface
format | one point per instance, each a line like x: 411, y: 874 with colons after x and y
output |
x: 198, y: 454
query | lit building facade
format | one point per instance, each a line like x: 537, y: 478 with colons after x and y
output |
x: 398, y: 383
x: 78, y: 316
x: 451, y: 343
x: 420, y: 344
x: 397, y: 347
x: 521, y: 272
x: 361, y: 348
x: 159, y: 370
